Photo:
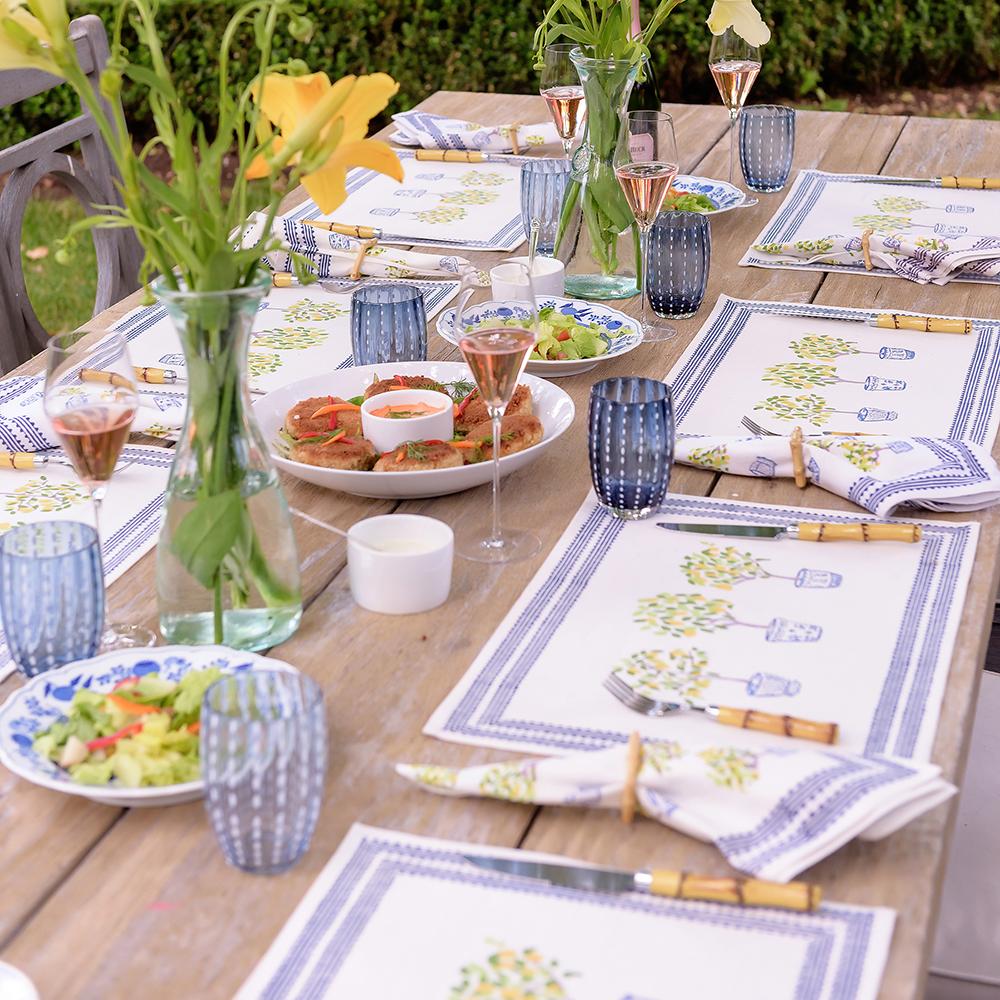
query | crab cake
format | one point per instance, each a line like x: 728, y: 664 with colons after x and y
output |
x: 351, y: 454
x: 516, y: 434
x: 416, y: 455
x: 476, y: 412
x: 300, y: 422
x: 404, y: 382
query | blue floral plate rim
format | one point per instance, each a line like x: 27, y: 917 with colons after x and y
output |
x: 722, y: 194
x: 37, y: 703
x: 586, y: 312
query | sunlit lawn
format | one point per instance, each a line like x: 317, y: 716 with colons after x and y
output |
x: 62, y: 294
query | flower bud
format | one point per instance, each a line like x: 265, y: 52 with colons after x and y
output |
x: 300, y: 27
x: 110, y: 84
x: 297, y: 67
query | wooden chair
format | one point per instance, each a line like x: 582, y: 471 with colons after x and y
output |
x: 90, y: 178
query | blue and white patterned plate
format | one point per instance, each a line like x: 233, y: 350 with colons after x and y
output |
x: 45, y: 699
x: 620, y: 332
x: 723, y: 195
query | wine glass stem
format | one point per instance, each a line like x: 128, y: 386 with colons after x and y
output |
x: 495, y: 536
x: 733, y: 115
x: 643, y: 254
x: 567, y: 146
x: 97, y: 493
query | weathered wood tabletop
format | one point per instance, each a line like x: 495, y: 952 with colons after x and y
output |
x: 101, y: 903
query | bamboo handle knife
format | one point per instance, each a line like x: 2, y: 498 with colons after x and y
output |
x: 925, y: 324
x: 820, y: 531
x: 802, y: 896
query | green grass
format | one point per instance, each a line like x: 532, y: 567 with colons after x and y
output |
x: 62, y: 294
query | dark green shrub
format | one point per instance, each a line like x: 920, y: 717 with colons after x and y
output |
x: 838, y: 46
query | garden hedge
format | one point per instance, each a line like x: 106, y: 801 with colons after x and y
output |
x: 819, y: 46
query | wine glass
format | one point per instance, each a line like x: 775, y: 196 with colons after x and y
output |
x: 646, y: 165
x: 734, y: 63
x: 563, y: 92
x: 496, y: 350
x: 91, y: 399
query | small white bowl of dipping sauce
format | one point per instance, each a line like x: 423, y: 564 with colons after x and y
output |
x: 548, y: 277
x: 393, y: 418
x: 400, y: 564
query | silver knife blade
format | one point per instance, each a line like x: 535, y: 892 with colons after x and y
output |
x: 740, y: 530
x: 595, y: 879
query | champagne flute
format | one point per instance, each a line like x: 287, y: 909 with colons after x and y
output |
x: 496, y: 353
x: 734, y: 63
x: 92, y: 421
x: 646, y: 164
x: 563, y: 92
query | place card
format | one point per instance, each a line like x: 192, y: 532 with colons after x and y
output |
x: 787, y: 364
x: 470, y: 206
x: 395, y: 916
x: 860, y: 634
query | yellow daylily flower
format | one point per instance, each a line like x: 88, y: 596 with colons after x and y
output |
x: 742, y: 17
x: 25, y: 42
x: 323, y: 126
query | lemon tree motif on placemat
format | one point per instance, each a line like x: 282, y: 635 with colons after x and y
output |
x: 810, y: 246
x: 722, y: 568
x: 514, y: 782
x: 290, y: 338
x: 684, y: 615
x: 442, y: 214
x: 883, y: 223
x: 41, y: 495
x: 311, y: 311
x: 512, y: 974
x: 861, y: 454
x: 657, y: 756
x: 808, y: 406
x: 436, y: 776
x: 900, y: 203
x: 822, y: 347
x: 731, y: 767
x: 470, y: 197
x: 684, y: 674
x: 263, y: 363
x: 679, y: 672
x: 484, y: 178
x: 711, y: 458
x: 804, y: 375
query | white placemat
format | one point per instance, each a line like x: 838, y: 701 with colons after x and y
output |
x: 130, y: 514
x: 397, y: 917
x: 847, y: 632
x: 820, y: 204
x: 785, y: 364
x: 464, y: 206
x: 299, y: 331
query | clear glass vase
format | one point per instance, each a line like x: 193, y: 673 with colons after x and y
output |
x: 598, y: 240
x: 227, y: 569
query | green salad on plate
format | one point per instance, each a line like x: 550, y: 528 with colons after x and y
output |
x: 142, y: 732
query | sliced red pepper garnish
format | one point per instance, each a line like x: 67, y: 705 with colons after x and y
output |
x: 194, y: 727
x: 106, y: 741
x: 336, y: 437
x: 124, y: 705
x: 127, y: 682
x: 401, y: 379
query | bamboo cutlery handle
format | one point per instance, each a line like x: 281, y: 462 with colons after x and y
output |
x: 779, y: 725
x: 924, y: 324
x: 151, y: 376
x: 977, y: 183
x: 820, y: 531
x: 19, y: 460
x: 451, y: 155
x: 801, y: 896
x: 343, y: 229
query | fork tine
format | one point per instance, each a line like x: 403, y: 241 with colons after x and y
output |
x: 628, y: 696
x: 751, y: 425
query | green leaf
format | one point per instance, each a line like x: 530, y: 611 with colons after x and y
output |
x: 206, y: 534
x: 203, y: 388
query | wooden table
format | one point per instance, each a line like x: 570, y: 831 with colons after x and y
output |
x: 103, y: 903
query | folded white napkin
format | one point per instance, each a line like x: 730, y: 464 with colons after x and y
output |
x: 772, y: 813
x: 937, y: 259
x: 25, y: 427
x: 334, y: 256
x: 878, y: 472
x: 419, y: 128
